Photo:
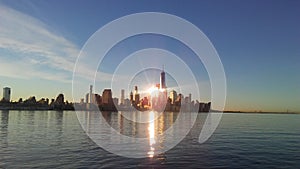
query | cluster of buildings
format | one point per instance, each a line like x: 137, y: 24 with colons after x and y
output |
x: 32, y: 104
x: 156, y: 99
x: 92, y: 101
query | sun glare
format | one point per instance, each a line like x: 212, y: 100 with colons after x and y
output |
x: 152, y: 89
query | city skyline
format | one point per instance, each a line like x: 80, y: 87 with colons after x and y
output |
x: 258, y: 44
x: 158, y: 97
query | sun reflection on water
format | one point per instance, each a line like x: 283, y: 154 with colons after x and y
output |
x: 151, y: 132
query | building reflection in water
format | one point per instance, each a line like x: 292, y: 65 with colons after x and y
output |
x: 4, y: 126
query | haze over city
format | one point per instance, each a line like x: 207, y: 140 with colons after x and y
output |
x: 257, y: 43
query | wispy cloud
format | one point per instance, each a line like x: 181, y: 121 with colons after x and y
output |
x: 24, y: 69
x: 29, y: 49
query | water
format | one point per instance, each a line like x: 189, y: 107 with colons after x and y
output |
x: 50, y: 139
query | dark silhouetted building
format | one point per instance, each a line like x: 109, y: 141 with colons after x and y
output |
x: 163, y: 80
x: 87, y: 98
x: 107, y: 96
x: 131, y: 97
x: 136, y: 96
x: 30, y: 100
x: 60, y: 99
x: 59, y: 103
x: 91, y: 98
x: 107, y: 100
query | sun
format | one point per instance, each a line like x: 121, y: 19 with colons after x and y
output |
x: 152, y: 89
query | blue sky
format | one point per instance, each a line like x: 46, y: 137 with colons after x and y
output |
x: 258, y: 43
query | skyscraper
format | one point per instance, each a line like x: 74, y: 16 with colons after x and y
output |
x: 135, y: 90
x: 164, y: 94
x: 107, y: 96
x: 131, y: 97
x: 173, y: 96
x: 163, y: 79
x: 122, y: 96
x: 87, y: 98
x: 6, y: 93
x: 107, y: 100
x: 136, y: 95
x: 91, y: 94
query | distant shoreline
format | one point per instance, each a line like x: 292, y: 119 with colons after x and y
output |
x: 226, y: 112
x: 251, y: 112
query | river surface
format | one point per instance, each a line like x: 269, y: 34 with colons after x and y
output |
x: 53, y: 139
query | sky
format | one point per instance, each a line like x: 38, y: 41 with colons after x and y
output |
x: 258, y: 43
